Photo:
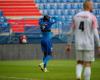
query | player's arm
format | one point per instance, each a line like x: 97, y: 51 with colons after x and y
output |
x: 70, y: 37
x: 54, y: 20
x: 96, y: 33
x: 41, y: 24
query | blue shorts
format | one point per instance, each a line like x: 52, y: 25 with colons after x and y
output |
x: 46, y: 46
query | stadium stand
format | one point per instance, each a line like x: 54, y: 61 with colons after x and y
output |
x: 17, y: 11
x: 23, y: 15
x: 20, y: 13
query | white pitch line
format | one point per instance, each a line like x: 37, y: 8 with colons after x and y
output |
x: 6, y: 77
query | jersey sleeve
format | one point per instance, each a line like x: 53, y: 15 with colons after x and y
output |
x: 53, y: 20
x: 94, y: 22
x: 95, y: 30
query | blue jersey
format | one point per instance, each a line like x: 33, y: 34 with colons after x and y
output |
x: 46, y: 42
x: 46, y: 28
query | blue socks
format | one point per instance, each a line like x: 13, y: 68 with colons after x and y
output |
x: 46, y: 59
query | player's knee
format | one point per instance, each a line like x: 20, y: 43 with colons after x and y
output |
x: 79, y: 62
x: 87, y: 63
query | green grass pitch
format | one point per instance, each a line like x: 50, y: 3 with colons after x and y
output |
x: 28, y: 70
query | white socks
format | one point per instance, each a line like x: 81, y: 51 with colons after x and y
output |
x: 87, y: 73
x: 79, y: 69
x: 41, y: 63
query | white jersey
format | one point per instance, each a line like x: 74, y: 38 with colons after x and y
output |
x: 85, y: 30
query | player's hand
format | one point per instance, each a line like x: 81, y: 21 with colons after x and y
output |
x: 68, y: 48
x: 98, y: 51
x: 53, y: 53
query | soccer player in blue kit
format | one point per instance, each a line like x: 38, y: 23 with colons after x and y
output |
x: 46, y: 41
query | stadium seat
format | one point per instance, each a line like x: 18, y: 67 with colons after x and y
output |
x: 5, y: 24
x: 1, y: 13
x: 67, y: 6
x: 58, y: 12
x: 53, y: 6
x: 43, y: 1
x: 65, y: 12
x: 46, y: 6
x: 96, y: 0
x: 31, y: 30
x: 38, y: 1
x: 57, y: 1
x: 50, y: 1
x: 3, y: 19
x: 41, y: 6
x: 60, y: 6
x: 45, y: 12
x: 71, y: 1
x: 71, y: 12
x: 78, y: 1
x: 51, y: 12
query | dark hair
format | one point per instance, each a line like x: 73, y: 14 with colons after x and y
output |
x: 46, y: 18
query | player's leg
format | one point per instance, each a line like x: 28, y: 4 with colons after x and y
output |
x: 48, y: 55
x: 41, y: 65
x: 88, y: 59
x: 79, y: 65
x: 79, y: 68
x: 87, y: 70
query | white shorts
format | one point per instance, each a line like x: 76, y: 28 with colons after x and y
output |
x: 84, y: 55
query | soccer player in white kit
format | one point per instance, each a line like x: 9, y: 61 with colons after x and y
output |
x: 84, y: 28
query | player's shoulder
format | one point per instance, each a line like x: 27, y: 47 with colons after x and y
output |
x: 80, y: 13
x: 41, y: 20
x: 93, y: 16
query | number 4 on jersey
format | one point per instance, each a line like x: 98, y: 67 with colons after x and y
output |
x: 81, y: 26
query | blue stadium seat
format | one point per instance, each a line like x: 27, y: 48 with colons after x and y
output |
x: 78, y: 0
x: 0, y: 24
x: 1, y: 13
x: 38, y: 1
x: 80, y: 6
x: 46, y: 6
x: 96, y: 5
x: 63, y: 1
x: 98, y: 18
x: 96, y: 0
x: 41, y: 6
x: 4, y: 29
x: 63, y: 18
x: 31, y: 30
x: 59, y: 12
x: 51, y: 12
x: 67, y: 6
x: 96, y: 12
x: 57, y: 1
x: 50, y: 1
x: 75, y: 6
x: 5, y: 24
x: 60, y: 6
x: 71, y: 1
x: 42, y: 1
x: 65, y: 12
x: 3, y: 19
x: 68, y: 18
x: 44, y: 12
x: 71, y: 12
x: 53, y: 6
